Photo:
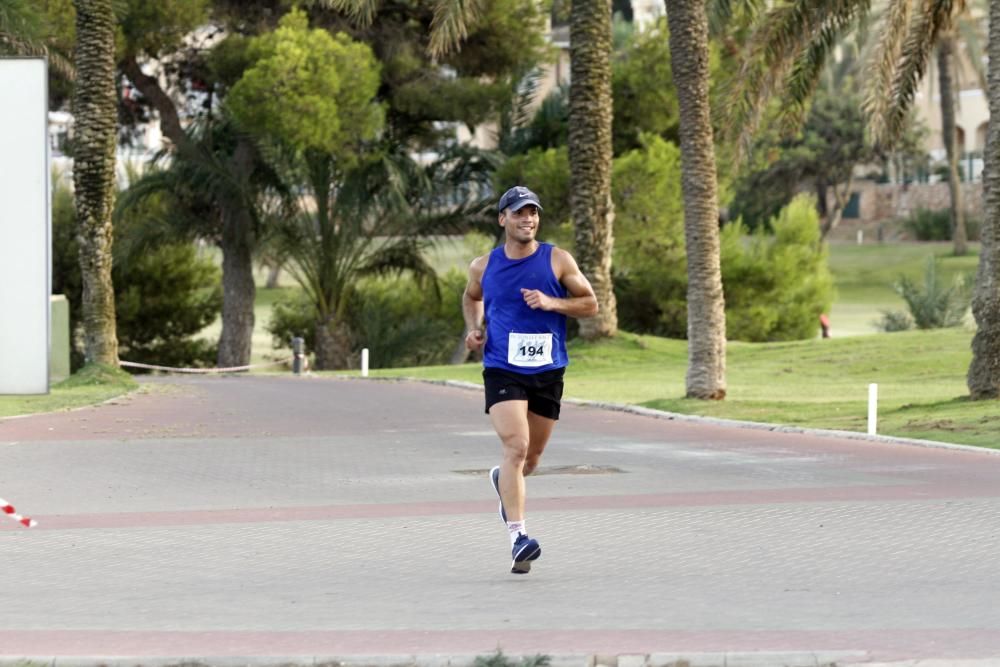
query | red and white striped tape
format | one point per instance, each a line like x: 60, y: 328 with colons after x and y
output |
x: 9, y: 510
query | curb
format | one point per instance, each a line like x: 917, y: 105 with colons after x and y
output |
x: 680, y: 659
x: 734, y: 423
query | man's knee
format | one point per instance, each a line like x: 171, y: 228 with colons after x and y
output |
x: 515, y: 448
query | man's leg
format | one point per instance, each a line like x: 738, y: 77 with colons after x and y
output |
x: 539, y: 430
x: 510, y: 420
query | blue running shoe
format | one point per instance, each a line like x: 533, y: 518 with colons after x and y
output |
x: 526, y: 549
x: 495, y: 481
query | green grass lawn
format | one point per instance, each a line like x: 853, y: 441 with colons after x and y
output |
x: 864, y: 276
x: 817, y: 383
x: 87, y: 387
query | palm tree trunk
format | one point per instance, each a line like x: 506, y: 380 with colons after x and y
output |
x: 238, y: 288
x: 333, y: 344
x: 706, y: 375
x: 590, y: 156
x: 945, y: 56
x: 984, y: 372
x: 96, y: 128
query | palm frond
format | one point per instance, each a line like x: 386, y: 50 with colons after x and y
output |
x: 396, y: 256
x: 933, y: 17
x: 451, y: 22
x: 57, y: 62
x: 360, y: 11
x: 798, y: 34
x: 401, y: 255
x: 297, y: 238
x: 885, y: 59
x: 21, y: 19
x: 805, y: 74
x: 722, y: 12
x: 971, y: 32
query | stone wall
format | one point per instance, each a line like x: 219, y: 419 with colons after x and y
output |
x: 880, y: 202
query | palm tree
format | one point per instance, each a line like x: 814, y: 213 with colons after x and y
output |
x: 983, y: 378
x: 793, y: 41
x: 22, y: 33
x: 590, y: 154
x: 96, y: 125
x: 706, y: 374
x: 908, y: 39
x: 949, y: 136
x: 372, y: 220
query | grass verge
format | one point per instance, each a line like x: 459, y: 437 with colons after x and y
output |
x: 92, y: 384
x: 816, y: 384
x: 864, y: 276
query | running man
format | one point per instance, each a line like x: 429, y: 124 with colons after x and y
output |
x: 527, y: 289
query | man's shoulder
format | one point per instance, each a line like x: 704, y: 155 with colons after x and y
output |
x: 478, y: 265
x: 562, y: 259
x: 558, y: 252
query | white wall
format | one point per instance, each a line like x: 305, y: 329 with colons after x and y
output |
x: 25, y: 264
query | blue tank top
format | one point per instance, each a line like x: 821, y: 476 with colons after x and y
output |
x: 518, y: 338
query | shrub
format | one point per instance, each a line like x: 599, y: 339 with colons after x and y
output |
x: 894, y: 320
x: 932, y: 305
x: 66, y: 278
x: 927, y: 225
x: 401, y: 322
x: 649, y: 259
x: 163, y: 295
x: 163, y: 298
x: 498, y: 659
x: 776, y: 286
x: 292, y: 317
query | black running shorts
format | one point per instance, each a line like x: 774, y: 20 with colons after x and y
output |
x: 543, y: 391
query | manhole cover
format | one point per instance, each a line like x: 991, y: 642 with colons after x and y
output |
x: 584, y: 469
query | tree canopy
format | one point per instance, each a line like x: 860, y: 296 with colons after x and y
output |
x: 308, y: 89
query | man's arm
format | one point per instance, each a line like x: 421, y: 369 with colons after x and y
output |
x: 472, y: 304
x: 582, y: 302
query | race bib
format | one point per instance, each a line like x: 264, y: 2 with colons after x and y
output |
x: 529, y: 350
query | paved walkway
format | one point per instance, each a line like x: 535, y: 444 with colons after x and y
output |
x: 274, y: 519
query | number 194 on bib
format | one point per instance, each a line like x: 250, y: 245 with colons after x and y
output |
x: 529, y: 350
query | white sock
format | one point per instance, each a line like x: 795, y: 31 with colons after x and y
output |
x: 515, y: 528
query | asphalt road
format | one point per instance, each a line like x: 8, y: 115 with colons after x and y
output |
x: 260, y: 520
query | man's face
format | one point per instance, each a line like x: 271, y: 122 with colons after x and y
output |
x: 521, y: 225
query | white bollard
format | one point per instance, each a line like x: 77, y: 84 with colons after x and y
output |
x: 872, y: 407
x: 861, y: 237
x: 364, y: 363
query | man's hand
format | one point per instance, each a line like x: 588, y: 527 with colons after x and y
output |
x: 536, y: 299
x: 474, y: 340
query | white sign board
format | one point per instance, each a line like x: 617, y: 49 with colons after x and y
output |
x: 24, y: 227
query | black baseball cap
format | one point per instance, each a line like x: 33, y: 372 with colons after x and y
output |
x: 517, y: 198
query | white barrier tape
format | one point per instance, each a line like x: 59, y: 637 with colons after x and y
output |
x: 231, y: 369
x: 9, y: 510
